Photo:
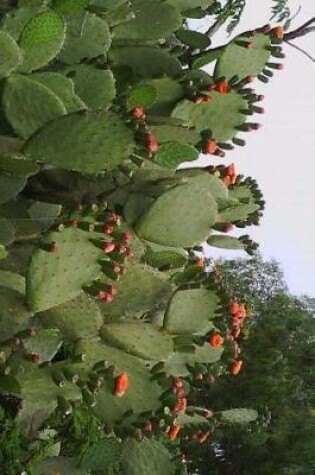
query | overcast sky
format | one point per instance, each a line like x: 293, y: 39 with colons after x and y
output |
x: 281, y: 155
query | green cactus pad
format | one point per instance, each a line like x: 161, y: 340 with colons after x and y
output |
x: 191, y: 312
x: 41, y: 40
x: 135, y: 205
x: 169, y: 92
x: 225, y: 242
x: 146, y: 457
x: 138, y: 290
x: 139, y: 339
x: 176, y: 365
x: 16, y: 20
x: 18, y: 166
x: 63, y: 88
x: 153, y: 20
x: 12, y: 280
x: 146, y: 61
x: 74, y: 265
x: 238, y: 212
x: 77, y: 318
x: 7, y: 232
x: 193, y: 39
x: 28, y: 104
x: 45, y: 344
x: 96, y: 87
x: 169, y: 132
x: 180, y: 217
x: 94, y: 142
x: 17, y: 260
x: 57, y: 465
x: 217, y: 188
x: 184, y: 5
x: 165, y: 258
x: 242, y: 61
x: 70, y: 7
x: 103, y: 453
x: 14, y: 315
x: 239, y: 416
x: 186, y: 420
x: 221, y: 115
x: 88, y: 36
x: 10, y: 55
x: 142, y: 393
x: 39, y: 393
x: 171, y: 154
x: 141, y: 95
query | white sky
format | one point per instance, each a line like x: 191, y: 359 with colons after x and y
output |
x: 281, y: 155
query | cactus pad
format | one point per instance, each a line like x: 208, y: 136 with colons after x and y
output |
x: 225, y: 242
x: 191, y: 312
x: 139, y: 290
x: 238, y: 212
x: 241, y: 61
x: 94, y: 142
x: 57, y: 465
x: 152, y: 21
x: 41, y: 40
x: 146, y: 61
x: 88, y: 36
x: 171, y: 154
x: 45, y: 344
x: 10, y: 186
x: 28, y: 104
x: 180, y: 217
x: 239, y: 416
x: 74, y: 265
x: 10, y: 55
x: 139, y: 339
x: 63, y: 88
x: 221, y: 115
x: 71, y: 318
x: 103, y: 453
x: 177, y: 363
x: 96, y: 87
x: 142, y: 393
x: 146, y: 457
x: 14, y: 315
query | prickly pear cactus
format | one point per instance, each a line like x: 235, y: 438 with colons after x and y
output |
x: 107, y: 302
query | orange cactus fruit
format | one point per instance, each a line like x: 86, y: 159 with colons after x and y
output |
x: 200, y: 262
x: 121, y: 384
x: 222, y: 87
x: 233, y: 308
x: 236, y: 367
x: 278, y: 32
x: 173, y: 431
x: 181, y: 405
x: 209, y: 146
x: 203, y: 437
x: 215, y: 340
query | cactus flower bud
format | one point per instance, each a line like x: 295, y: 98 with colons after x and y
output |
x: 215, y: 340
x: 108, y: 247
x: 138, y: 113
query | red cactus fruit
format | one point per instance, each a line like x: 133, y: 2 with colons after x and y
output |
x: 209, y: 146
x: 148, y: 426
x: 236, y: 367
x: 173, y: 431
x: 178, y: 383
x: 215, y: 340
x: 74, y: 223
x: 138, y: 113
x: 108, y: 229
x: 222, y: 87
x: 105, y: 296
x: 181, y: 405
x: 150, y: 143
x: 34, y: 358
x: 121, y: 384
x: 278, y: 32
x: 203, y: 437
x: 117, y: 269
x: 126, y: 237
x: 108, y: 247
x: 227, y: 228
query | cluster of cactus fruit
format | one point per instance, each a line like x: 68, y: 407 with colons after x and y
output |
x: 103, y: 300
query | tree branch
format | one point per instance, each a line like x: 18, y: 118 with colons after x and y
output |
x: 301, y: 50
x: 301, y: 31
